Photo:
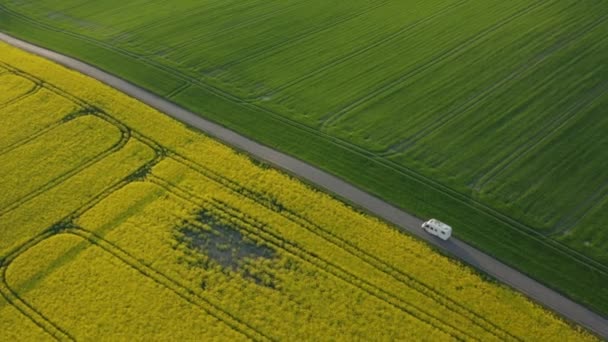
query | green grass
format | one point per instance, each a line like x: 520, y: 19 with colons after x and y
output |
x: 486, y: 114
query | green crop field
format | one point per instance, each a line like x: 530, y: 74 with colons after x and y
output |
x: 119, y: 223
x: 487, y: 114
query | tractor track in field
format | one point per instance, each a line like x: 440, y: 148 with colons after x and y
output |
x: 429, y: 62
x: 273, y: 49
x: 125, y: 136
x: 552, y: 127
x: 382, y: 266
x: 518, y: 73
x: 32, y: 91
x: 67, y: 227
x: 184, y: 292
x: 239, y: 101
x: 571, y: 219
x: 85, y: 164
x: 379, y: 42
x: 399, y: 218
x: 204, y: 36
x: 333, y: 239
x: 15, y: 300
x: 265, y: 233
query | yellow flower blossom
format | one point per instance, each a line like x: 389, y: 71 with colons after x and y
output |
x: 203, y: 243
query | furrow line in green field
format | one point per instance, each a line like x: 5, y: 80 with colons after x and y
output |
x: 553, y: 126
x: 179, y: 90
x: 388, y: 86
x: 509, y: 222
x: 304, y: 35
x: 219, y: 19
x: 387, y: 39
x: 521, y: 71
x: 571, y: 220
x: 219, y: 33
x: 183, y: 77
x: 159, y: 23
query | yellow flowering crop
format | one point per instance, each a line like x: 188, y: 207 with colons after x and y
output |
x: 13, y: 326
x: 13, y: 86
x: 48, y: 159
x: 117, y: 221
x: 32, y: 115
x: 103, y: 297
x: 42, y: 211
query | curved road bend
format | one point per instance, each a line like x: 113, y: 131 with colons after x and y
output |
x: 399, y: 218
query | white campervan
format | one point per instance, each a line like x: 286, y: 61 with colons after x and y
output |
x: 437, y: 228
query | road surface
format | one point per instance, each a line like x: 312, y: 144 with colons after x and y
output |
x: 404, y: 221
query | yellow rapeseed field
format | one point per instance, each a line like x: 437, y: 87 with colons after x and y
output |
x: 13, y: 87
x: 118, y: 222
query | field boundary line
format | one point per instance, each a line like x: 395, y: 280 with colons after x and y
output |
x: 400, y: 169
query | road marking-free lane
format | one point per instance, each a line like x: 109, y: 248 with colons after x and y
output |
x: 402, y: 220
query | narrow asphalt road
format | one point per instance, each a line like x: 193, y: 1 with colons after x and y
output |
x: 399, y: 218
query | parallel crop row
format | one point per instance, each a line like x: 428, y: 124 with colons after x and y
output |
x: 278, y: 242
x: 329, y: 236
x: 224, y: 246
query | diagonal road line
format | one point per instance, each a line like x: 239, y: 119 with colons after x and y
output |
x: 402, y: 220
